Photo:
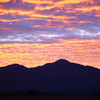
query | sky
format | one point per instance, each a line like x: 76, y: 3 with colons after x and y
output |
x: 35, y: 32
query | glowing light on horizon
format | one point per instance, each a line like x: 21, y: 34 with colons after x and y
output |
x: 86, y: 52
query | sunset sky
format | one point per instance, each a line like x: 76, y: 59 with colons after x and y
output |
x: 35, y: 32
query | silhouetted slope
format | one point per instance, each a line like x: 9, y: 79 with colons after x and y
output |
x: 60, y: 75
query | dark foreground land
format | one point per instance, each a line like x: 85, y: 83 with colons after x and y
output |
x: 53, y: 98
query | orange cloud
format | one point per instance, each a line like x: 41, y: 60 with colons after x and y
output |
x: 39, y: 1
x: 5, y: 20
x: 5, y: 28
x: 4, y: 1
x: 58, y: 2
x: 88, y: 9
x: 85, y: 22
x: 15, y: 12
x: 70, y: 2
x: 63, y: 3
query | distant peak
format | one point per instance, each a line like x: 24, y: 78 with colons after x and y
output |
x: 62, y: 61
x: 16, y: 66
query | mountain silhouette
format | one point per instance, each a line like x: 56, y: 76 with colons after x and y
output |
x: 60, y: 75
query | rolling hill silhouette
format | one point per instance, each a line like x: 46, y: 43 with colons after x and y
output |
x: 60, y: 75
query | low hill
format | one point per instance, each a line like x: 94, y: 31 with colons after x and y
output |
x: 60, y: 75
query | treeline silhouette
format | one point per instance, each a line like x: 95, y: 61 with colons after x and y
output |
x: 34, y: 92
